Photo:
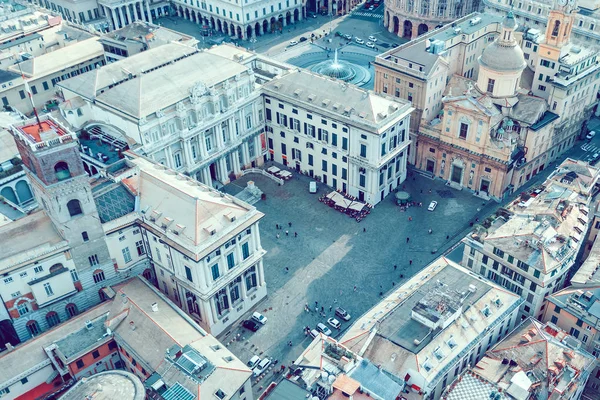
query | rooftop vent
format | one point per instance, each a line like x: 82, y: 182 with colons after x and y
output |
x: 457, y: 31
x: 88, y: 325
x: 475, y: 21
x: 277, y: 85
x: 154, y: 307
x: 132, y: 325
x: 325, y: 102
x: 297, y: 92
x: 472, y: 288
x: 311, y: 97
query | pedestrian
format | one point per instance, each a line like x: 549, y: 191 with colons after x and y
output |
x: 393, y: 283
x: 364, y: 229
x: 429, y: 190
x: 317, y: 310
x: 276, y: 226
x: 355, y: 288
x: 322, y: 309
x: 316, y: 303
x: 334, y: 301
x: 330, y: 308
x: 395, y: 266
x: 278, y: 236
x: 295, y: 234
x: 380, y: 286
x: 380, y: 294
x: 421, y: 190
x: 287, y: 269
x: 430, y: 231
x: 290, y: 224
x: 447, y: 237
x: 401, y: 276
x: 407, y: 239
x: 287, y: 233
x: 409, y: 262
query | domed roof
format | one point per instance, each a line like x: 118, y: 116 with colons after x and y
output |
x: 509, y: 21
x: 502, y: 58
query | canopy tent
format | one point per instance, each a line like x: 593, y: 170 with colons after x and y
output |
x: 402, y: 198
x: 357, y: 205
x: 273, y: 170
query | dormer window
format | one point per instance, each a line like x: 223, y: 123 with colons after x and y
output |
x: 61, y: 170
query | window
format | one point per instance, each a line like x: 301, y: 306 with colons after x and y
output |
x: 79, y: 364
x: 98, y: 276
x: 554, y: 319
x: 464, y: 129
x: 71, y: 310
x: 245, y: 251
x: 188, y: 273
x: 363, y: 150
x: 557, y: 309
x: 126, y: 255
x: 93, y: 260
x: 52, y: 319
x: 74, y: 207
x: 84, y: 236
x: 61, y: 171
x: 230, y: 260
x: 8, y: 280
x: 215, y: 272
x: 140, y: 248
x: 324, y: 165
x: 95, y: 354
x: 362, y: 180
x: 48, y: 289
x: 490, y: 85
x: 23, y: 308
x: 33, y: 327
x: 574, y: 332
x: 498, y: 252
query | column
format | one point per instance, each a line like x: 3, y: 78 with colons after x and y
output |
x: 246, y: 153
x: 235, y: 162
x: 260, y: 29
x: 330, y: 7
x: 187, y: 149
x: 223, y: 170
x: 284, y: 22
x: 129, y: 20
x: 134, y: 10
x: 261, y: 273
x: 121, y: 17
x: 213, y: 307
x: 219, y: 136
x: 244, y: 293
x: 148, y: 9
x: 206, y: 176
x: 115, y: 21
x: 169, y: 156
x: 202, y: 146
x: 256, y: 237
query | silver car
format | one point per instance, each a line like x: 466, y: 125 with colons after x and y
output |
x: 323, y: 329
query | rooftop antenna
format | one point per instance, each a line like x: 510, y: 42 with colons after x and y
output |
x: 37, y: 117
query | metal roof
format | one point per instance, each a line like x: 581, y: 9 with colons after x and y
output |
x: 178, y: 392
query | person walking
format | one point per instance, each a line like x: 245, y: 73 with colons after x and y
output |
x: 287, y: 233
x: 290, y: 224
x: 407, y: 239
x: 295, y: 234
x: 409, y: 262
x: 395, y: 267
x: 330, y: 308
x: 277, y: 236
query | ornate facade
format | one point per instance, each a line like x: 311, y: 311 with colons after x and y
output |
x: 412, y: 18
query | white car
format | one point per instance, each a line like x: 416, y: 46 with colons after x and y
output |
x: 261, y: 367
x: 253, y: 362
x: 349, y: 37
x: 334, y: 323
x: 314, y: 333
x: 258, y: 317
x: 359, y: 41
x: 371, y: 8
x: 432, y: 206
x: 371, y: 45
x: 293, y: 43
x: 590, y: 135
x: 323, y: 329
x: 312, y: 187
x: 372, y: 39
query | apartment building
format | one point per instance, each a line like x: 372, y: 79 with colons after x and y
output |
x: 575, y: 310
x: 346, y: 137
x: 535, y: 361
x: 530, y: 247
x: 208, y: 126
x: 432, y: 327
x: 139, y: 334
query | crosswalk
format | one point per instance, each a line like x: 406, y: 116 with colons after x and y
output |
x: 368, y: 14
x: 591, y: 151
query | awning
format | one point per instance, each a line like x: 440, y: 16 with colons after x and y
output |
x: 357, y: 205
x: 415, y: 388
x: 273, y: 170
x: 109, y: 292
x: 342, y: 202
x: 406, y: 377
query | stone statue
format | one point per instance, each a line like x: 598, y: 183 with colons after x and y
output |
x: 471, y: 177
x: 197, y: 91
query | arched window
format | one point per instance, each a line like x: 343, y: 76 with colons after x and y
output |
x: 98, y: 276
x: 61, y: 170
x: 52, y: 319
x: 148, y: 275
x: 556, y: 28
x: 56, y: 267
x: 71, y: 310
x: 33, y: 327
x: 74, y: 207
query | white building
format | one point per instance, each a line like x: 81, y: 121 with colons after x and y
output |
x: 432, y: 327
x: 348, y: 138
x: 530, y: 249
x: 243, y: 20
x: 208, y: 125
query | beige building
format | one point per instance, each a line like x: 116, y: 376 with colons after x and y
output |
x: 424, y: 334
x: 536, y: 361
x: 531, y: 248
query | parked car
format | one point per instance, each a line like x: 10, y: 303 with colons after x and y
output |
x: 343, y: 314
x: 334, y: 323
x: 314, y: 333
x: 371, y: 8
x: 293, y: 43
x: 258, y: 317
x: 371, y: 45
x: 261, y: 367
x: 253, y: 362
x: 251, y: 325
x: 372, y: 39
x: 394, y: 45
x: 323, y: 329
x: 359, y: 40
x: 349, y: 37
x: 312, y: 187
x: 302, y: 39
x: 590, y: 135
x: 432, y: 206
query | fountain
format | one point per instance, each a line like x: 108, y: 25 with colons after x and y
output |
x: 342, y: 70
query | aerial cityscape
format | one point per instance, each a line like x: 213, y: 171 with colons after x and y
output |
x: 300, y: 199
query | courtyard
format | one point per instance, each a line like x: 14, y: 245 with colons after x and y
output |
x: 333, y: 253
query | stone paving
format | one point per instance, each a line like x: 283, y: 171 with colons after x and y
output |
x: 333, y: 253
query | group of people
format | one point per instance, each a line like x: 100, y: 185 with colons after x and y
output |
x: 287, y: 232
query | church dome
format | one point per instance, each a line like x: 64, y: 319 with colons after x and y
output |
x: 504, y: 54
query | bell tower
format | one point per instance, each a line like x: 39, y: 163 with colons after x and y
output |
x: 558, y: 30
x: 51, y: 158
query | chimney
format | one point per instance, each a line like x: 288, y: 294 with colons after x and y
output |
x: 132, y: 325
x: 154, y: 307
